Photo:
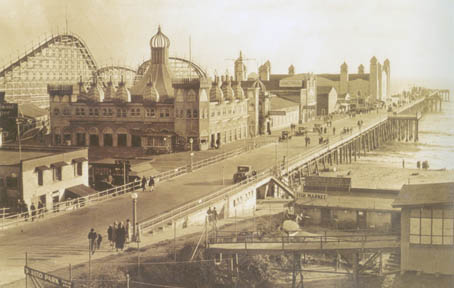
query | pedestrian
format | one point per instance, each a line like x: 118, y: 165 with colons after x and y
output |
x: 334, y: 130
x: 109, y: 235
x: 144, y: 183
x: 151, y: 183
x: 215, y: 215
x: 18, y: 207
x: 25, y: 210
x: 33, y: 210
x: 209, y: 212
x: 40, y: 209
x: 114, y: 234
x: 98, y: 241
x: 128, y: 231
x: 92, y: 240
x: 121, y: 237
x: 418, y: 164
x: 403, y: 163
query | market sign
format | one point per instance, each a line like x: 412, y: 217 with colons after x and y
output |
x: 47, y: 277
x: 312, y: 196
x: 320, y: 183
x: 277, y: 113
x: 8, y: 110
x: 293, y: 83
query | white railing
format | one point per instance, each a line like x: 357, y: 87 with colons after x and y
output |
x: 69, y: 205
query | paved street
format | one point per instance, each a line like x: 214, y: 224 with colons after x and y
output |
x: 70, y: 230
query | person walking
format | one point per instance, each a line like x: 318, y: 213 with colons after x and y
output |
x: 209, y: 213
x: 128, y: 231
x: 109, y: 235
x: 114, y: 234
x: 121, y: 236
x: 40, y: 209
x: 151, y: 183
x: 25, y: 210
x: 92, y: 241
x: 144, y: 183
x: 215, y: 214
x: 98, y: 241
x: 33, y: 210
x: 334, y: 130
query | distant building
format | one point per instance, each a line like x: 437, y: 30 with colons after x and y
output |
x: 326, y: 100
x: 298, y: 88
x: 371, y: 87
x: 427, y: 227
x: 42, y: 174
x: 160, y: 113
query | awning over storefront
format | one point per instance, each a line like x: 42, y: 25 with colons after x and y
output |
x: 58, y: 164
x: 41, y: 168
x: 81, y: 159
x: 78, y: 191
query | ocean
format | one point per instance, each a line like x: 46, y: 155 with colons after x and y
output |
x: 435, y: 145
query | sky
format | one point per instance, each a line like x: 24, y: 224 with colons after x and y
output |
x: 315, y: 36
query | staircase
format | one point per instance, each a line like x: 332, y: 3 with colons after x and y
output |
x: 393, y: 262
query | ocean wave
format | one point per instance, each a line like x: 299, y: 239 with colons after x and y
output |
x: 434, y: 145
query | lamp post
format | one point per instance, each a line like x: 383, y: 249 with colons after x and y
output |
x: 134, y: 216
x: 191, y: 141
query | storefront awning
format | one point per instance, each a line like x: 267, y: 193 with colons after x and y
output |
x: 79, y: 191
x: 81, y: 159
x: 41, y: 168
x: 58, y: 164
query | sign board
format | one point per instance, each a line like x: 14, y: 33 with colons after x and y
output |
x: 319, y: 183
x: 8, y: 110
x: 312, y: 196
x: 277, y: 113
x: 47, y: 277
x: 293, y: 83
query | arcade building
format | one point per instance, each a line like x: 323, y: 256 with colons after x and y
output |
x: 161, y: 113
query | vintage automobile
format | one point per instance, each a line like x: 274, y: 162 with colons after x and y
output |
x: 285, y: 136
x: 301, y: 131
x: 243, y: 172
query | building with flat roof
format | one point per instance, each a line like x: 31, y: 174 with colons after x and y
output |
x: 427, y: 227
x: 45, y: 174
x: 326, y: 100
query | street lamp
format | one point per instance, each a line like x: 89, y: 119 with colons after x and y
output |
x: 134, y: 215
x: 191, y: 141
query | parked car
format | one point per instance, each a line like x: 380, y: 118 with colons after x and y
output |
x: 243, y: 172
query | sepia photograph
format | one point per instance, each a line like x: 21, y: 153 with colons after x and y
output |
x: 226, y: 144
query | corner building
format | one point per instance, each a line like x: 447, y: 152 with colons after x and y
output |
x: 159, y: 114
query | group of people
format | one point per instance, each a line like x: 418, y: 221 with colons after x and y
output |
x: 22, y: 208
x: 118, y: 234
x: 94, y: 241
x: 149, y: 181
x: 212, y: 214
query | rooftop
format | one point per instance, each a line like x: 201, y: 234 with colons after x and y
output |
x: 350, y: 202
x: 423, y: 194
x: 281, y: 103
x: 9, y: 155
x: 322, y: 90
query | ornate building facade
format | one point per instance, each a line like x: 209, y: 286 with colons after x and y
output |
x: 161, y: 112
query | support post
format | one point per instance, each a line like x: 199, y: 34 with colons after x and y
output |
x: 355, y: 269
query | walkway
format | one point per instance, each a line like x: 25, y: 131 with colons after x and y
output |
x: 71, y: 229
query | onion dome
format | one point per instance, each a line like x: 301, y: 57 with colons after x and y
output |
x: 227, y: 89
x: 122, y: 92
x: 216, y: 92
x: 150, y: 93
x: 95, y: 93
x: 159, y: 40
x: 373, y: 60
x: 239, y: 92
x: 110, y: 91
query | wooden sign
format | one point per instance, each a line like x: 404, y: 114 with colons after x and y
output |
x: 47, y: 277
x: 320, y: 183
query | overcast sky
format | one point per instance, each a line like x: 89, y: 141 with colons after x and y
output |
x: 315, y: 36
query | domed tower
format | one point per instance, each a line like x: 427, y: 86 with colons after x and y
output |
x: 238, y: 90
x: 110, y: 91
x: 373, y: 79
x: 343, y: 86
x: 216, y: 92
x: 159, y: 45
x: 95, y: 93
x: 291, y: 70
x: 387, y: 69
x: 159, y: 70
x: 150, y: 93
x: 122, y: 92
x: 361, y: 69
x: 240, y: 69
x: 227, y: 89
